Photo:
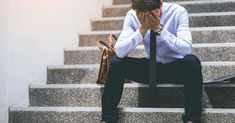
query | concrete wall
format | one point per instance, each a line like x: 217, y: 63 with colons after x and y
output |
x: 33, y: 35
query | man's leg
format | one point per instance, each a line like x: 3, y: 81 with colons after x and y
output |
x: 135, y: 68
x: 192, y: 88
x: 186, y: 71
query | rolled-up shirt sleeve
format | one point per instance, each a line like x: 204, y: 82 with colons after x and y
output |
x: 182, y: 41
x: 129, y: 38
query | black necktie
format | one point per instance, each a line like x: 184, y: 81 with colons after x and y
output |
x: 152, y: 63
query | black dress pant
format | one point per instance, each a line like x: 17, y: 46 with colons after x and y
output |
x: 186, y: 71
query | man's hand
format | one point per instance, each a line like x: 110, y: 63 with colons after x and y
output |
x: 143, y: 21
x: 154, y: 18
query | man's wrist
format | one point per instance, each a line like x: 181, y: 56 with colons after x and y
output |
x: 158, y: 30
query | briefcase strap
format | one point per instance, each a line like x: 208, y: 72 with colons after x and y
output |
x: 102, y: 44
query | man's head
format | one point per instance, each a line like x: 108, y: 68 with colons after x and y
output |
x: 146, y: 5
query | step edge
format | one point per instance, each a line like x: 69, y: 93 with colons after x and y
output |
x: 177, y: 2
x: 219, y: 28
x: 129, y: 85
x: 78, y: 66
x: 73, y: 66
x: 196, y: 45
x: 190, y: 14
x: 98, y: 109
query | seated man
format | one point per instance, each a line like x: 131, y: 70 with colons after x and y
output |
x: 174, y: 61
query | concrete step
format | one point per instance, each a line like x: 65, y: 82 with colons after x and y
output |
x: 71, y: 74
x: 121, y: 2
x: 205, y: 52
x: 134, y: 95
x: 225, y: 34
x: 195, y: 20
x: 127, y: 115
x: 190, y: 6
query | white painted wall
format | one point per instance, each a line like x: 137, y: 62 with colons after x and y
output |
x: 33, y: 35
x: 4, y: 6
x: 3, y: 79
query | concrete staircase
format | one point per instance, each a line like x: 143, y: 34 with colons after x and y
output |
x: 71, y: 95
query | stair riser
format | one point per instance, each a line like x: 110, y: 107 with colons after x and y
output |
x: 215, y: 36
x: 168, y: 97
x: 191, y: 8
x: 204, y: 54
x: 126, y: 117
x: 89, y: 75
x: 72, y: 76
x: 119, y: 2
x: 194, y: 21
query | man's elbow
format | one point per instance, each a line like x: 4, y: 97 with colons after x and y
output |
x: 188, y: 50
x: 120, y: 54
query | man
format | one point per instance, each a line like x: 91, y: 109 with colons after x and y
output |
x: 174, y: 61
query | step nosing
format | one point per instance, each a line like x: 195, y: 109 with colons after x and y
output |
x: 218, y: 63
x: 73, y: 66
x: 211, y: 14
x: 116, y: 6
x: 98, y: 109
x: 80, y: 66
x: 190, y: 15
x: 202, y: 2
x: 108, y: 18
x: 82, y: 48
x: 131, y: 85
x: 203, y: 45
x: 100, y: 32
x: 196, y: 45
x: 57, y: 109
x: 177, y: 2
x: 214, y: 28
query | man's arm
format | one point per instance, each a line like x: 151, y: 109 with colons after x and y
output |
x: 129, y: 38
x: 182, y: 42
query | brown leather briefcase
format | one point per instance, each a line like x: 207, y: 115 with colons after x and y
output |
x: 107, y: 54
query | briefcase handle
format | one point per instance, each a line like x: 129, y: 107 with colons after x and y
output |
x: 110, y: 44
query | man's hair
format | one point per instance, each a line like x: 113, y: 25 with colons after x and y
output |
x: 145, y: 4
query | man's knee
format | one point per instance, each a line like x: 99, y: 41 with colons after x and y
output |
x: 116, y: 71
x: 192, y: 62
x: 193, y: 70
x: 117, y: 62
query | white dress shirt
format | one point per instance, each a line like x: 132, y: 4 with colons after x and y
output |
x: 175, y: 40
